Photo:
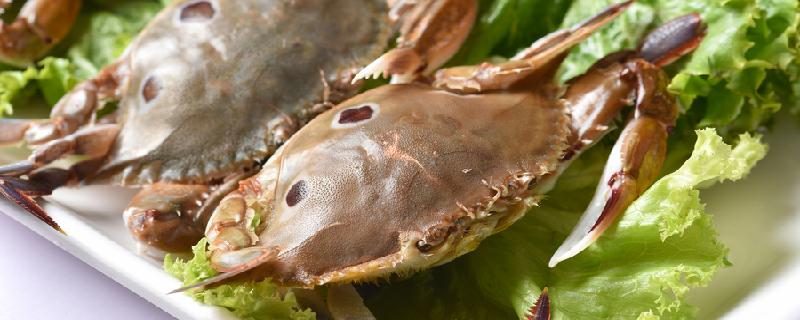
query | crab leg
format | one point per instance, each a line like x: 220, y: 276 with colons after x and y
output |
x: 13, y: 130
x: 39, y: 26
x: 164, y: 217
x: 172, y: 217
x: 431, y: 31
x: 78, y: 106
x: 20, y: 193
x: 637, y: 156
x: 94, y: 142
x: 539, y: 61
x: 41, y: 183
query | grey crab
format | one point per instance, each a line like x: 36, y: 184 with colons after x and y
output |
x: 409, y: 176
x: 207, y: 92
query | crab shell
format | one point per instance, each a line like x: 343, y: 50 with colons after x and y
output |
x: 214, y: 85
x: 401, y: 178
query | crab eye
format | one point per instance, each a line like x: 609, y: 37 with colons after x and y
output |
x: 151, y: 88
x: 198, y: 11
x: 355, y: 115
x: 297, y: 193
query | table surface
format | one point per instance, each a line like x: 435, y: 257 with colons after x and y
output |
x: 40, y: 281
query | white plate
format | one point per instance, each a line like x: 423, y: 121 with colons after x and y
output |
x: 758, y: 218
x: 98, y: 237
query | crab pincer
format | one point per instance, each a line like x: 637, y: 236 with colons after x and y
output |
x: 40, y: 25
x: 636, y: 158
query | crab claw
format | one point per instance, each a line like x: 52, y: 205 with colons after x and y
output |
x: 634, y: 162
x: 637, y: 156
x: 619, y: 187
x: 38, y: 27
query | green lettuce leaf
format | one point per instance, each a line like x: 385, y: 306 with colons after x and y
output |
x: 739, y: 77
x: 248, y: 301
x: 505, y: 26
x: 52, y: 77
x: 12, y: 83
x: 623, y: 33
x: 663, y: 245
x: 106, y: 32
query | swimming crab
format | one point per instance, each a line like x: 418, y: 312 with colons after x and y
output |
x: 39, y: 26
x: 207, y: 92
x: 405, y: 177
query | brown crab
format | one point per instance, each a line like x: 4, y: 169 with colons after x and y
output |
x: 207, y: 92
x: 38, y: 27
x: 409, y: 176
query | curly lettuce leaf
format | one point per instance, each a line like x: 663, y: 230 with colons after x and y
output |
x: 739, y: 77
x: 52, y: 77
x: 642, y: 267
x: 107, y: 31
x: 248, y: 301
x: 101, y: 34
x: 12, y: 83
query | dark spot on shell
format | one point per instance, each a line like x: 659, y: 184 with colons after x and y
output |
x: 297, y: 193
x: 198, y: 11
x: 354, y: 115
x: 151, y: 89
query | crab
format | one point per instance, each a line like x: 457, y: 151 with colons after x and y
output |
x: 38, y: 27
x: 408, y: 176
x: 206, y: 94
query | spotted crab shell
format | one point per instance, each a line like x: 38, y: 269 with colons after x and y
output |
x: 401, y: 178
x: 215, y: 84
